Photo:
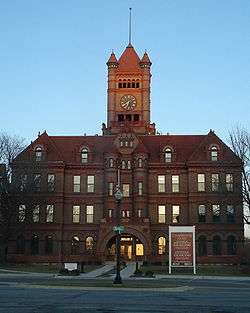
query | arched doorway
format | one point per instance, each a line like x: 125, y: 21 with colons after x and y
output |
x: 131, y: 248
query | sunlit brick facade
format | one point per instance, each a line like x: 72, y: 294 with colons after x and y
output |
x: 68, y: 184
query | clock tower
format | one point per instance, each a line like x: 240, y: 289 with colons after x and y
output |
x: 128, y: 100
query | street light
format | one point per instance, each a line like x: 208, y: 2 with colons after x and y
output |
x: 118, y: 196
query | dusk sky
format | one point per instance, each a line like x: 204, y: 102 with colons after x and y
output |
x: 53, y: 63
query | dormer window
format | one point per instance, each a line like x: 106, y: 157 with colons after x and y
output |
x: 168, y: 155
x: 111, y: 162
x: 38, y: 154
x: 214, y: 153
x: 84, y: 155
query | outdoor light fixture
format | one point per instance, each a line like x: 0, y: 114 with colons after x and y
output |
x: 118, y: 229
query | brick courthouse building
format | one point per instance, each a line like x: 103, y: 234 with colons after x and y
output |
x: 69, y: 210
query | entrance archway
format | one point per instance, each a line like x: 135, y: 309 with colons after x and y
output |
x: 131, y: 248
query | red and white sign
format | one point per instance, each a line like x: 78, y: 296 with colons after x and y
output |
x: 181, y: 246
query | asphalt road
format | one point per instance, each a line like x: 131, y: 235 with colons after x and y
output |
x: 20, y: 294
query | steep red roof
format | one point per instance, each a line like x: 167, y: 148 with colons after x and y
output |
x: 145, y: 59
x: 129, y: 60
x: 112, y: 58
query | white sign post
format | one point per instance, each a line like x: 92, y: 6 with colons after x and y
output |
x: 182, y: 247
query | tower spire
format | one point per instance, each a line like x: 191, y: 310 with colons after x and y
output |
x: 129, y: 32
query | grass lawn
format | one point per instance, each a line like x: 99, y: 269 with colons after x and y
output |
x: 37, y: 268
x: 206, y: 270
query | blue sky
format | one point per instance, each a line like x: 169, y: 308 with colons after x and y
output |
x: 53, y: 63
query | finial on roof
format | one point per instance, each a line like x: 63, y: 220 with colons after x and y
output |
x: 39, y: 134
x: 129, y: 30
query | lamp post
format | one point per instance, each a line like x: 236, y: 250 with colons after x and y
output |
x: 118, y: 196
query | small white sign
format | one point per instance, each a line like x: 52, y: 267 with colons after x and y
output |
x: 70, y: 266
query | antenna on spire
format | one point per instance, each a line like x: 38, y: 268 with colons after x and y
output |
x: 129, y: 34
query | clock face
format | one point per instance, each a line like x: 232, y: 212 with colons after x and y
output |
x: 128, y: 102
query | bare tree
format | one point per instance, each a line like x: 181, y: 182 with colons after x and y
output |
x: 10, y: 147
x: 239, y: 139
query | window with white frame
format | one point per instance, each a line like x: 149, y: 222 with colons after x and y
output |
x: 36, y: 213
x: 201, y: 213
x: 215, y: 182
x: 77, y: 183
x: 110, y: 188
x: 89, y: 214
x: 129, y: 165
x: 161, y: 214
x: 175, y: 183
x: 51, y: 182
x: 216, y: 212
x: 139, y: 213
x: 21, y: 213
x: 214, y: 153
x: 229, y: 182
x: 230, y: 213
x: 168, y: 155
x: 84, y: 155
x: 161, y: 183
x: 38, y: 154
x: 140, y: 188
x: 110, y: 213
x: 125, y: 190
x: 49, y: 213
x: 76, y: 214
x: 90, y: 183
x: 201, y: 182
x: 140, y: 163
x: 175, y: 213
x: 125, y: 213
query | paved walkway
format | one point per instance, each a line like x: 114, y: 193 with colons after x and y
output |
x: 99, y: 271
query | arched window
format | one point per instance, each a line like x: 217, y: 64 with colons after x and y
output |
x: 129, y: 165
x: 89, y: 243
x: 214, y: 153
x: 202, y: 246
x: 111, y: 162
x: 168, y: 155
x: 231, y: 245
x: 216, y: 245
x: 84, y: 155
x: 34, y: 246
x: 140, y: 162
x: 20, y: 244
x: 38, y: 154
x: 48, y: 244
x: 161, y: 245
x: 123, y: 165
x: 75, y: 245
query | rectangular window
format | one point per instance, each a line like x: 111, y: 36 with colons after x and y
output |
x: 175, y: 214
x: 89, y: 214
x: 49, y: 213
x: 216, y: 213
x: 23, y: 182
x: 161, y: 214
x: 125, y: 213
x: 76, y: 214
x: 125, y: 190
x: 37, y: 182
x: 110, y: 213
x: 201, y: 213
x: 175, y: 183
x: 229, y: 182
x: 21, y: 213
x: 51, y: 182
x: 230, y: 214
x: 90, y: 183
x: 161, y: 183
x: 140, y: 188
x: 215, y: 182
x: 139, y: 213
x: 36, y: 214
x: 201, y: 182
x: 110, y: 188
x: 77, y: 183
